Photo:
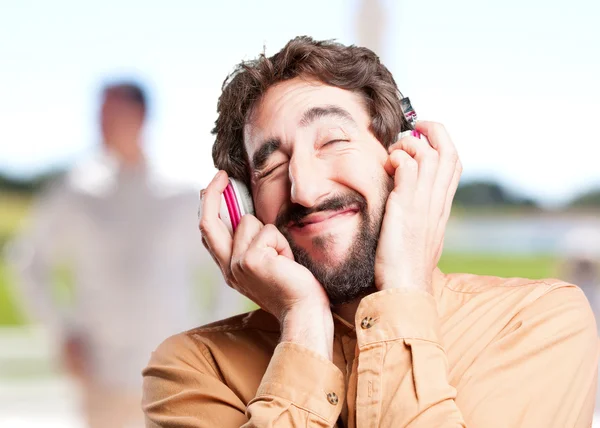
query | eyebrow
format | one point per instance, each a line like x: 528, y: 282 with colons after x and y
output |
x: 260, y: 157
x: 316, y: 113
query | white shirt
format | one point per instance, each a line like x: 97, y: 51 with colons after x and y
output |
x: 131, y: 242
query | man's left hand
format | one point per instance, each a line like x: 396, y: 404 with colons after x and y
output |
x: 426, y: 177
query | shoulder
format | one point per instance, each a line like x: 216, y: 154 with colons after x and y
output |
x: 93, y: 175
x: 480, y: 284
x: 197, y: 347
x: 529, y: 298
x: 168, y: 185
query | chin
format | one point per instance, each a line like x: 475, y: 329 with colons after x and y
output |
x: 330, y: 250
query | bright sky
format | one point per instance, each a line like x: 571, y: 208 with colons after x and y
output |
x: 515, y: 82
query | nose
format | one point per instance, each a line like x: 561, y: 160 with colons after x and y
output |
x: 307, y: 182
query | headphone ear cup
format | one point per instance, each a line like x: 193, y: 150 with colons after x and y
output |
x: 242, y: 196
x: 224, y: 214
x: 233, y: 207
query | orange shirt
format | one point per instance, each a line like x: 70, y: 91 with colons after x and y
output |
x: 481, y: 352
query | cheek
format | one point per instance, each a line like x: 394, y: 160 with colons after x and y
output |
x: 363, y: 171
x: 269, y: 199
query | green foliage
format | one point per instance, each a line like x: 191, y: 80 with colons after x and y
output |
x: 13, y: 211
x: 28, y: 186
x: 590, y: 199
x: 489, y: 194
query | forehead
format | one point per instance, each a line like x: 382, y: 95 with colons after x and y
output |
x: 281, y: 108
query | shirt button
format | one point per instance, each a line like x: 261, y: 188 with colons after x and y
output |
x: 332, y: 398
x: 367, y: 322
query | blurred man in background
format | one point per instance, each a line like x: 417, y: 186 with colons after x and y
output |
x: 581, y: 265
x: 126, y: 236
x: 580, y: 250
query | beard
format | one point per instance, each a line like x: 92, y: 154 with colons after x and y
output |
x: 354, y: 277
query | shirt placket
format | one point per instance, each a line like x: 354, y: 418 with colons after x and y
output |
x: 369, y: 373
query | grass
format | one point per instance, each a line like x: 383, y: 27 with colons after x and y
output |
x: 10, y: 312
x: 534, y: 266
x: 506, y: 266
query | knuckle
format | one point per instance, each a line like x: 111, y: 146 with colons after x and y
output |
x: 430, y: 155
x: 399, y: 156
x: 452, y: 156
x: 235, y: 271
x: 270, y: 228
x: 409, y: 164
x: 249, y: 262
x: 438, y: 127
x: 245, y: 221
x: 229, y: 278
x: 203, y: 226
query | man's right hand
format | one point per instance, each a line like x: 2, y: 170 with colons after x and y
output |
x: 74, y: 357
x: 258, y: 262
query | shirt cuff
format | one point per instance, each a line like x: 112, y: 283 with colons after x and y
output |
x: 306, y: 379
x: 397, y: 314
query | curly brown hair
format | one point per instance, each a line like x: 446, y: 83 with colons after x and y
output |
x: 352, y: 68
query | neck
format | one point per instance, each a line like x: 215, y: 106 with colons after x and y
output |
x: 131, y: 158
x: 129, y: 153
x: 347, y: 311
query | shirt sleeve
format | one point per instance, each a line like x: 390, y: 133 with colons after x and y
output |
x: 183, y: 388
x: 541, y: 371
x: 37, y: 252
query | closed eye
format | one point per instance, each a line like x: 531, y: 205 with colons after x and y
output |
x: 269, y: 171
x: 333, y: 142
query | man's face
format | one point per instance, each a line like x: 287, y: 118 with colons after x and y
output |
x: 121, y: 120
x: 318, y: 175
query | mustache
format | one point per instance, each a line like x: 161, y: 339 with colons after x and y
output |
x: 295, y: 213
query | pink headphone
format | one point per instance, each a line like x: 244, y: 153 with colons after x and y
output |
x: 235, y: 202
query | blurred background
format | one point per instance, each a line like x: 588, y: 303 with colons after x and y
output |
x: 515, y: 82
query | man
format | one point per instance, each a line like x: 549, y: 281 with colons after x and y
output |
x: 358, y: 328
x: 123, y: 233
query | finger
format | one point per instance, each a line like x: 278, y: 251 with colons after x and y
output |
x: 257, y: 260
x: 248, y: 228
x: 209, y: 251
x: 426, y: 157
x: 215, y: 233
x: 438, y: 137
x: 439, y: 252
x: 270, y: 238
x: 418, y: 148
x: 441, y: 228
x: 405, y: 174
x: 447, y: 163
x: 442, y: 188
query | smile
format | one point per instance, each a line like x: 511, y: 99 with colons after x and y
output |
x: 321, y: 221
